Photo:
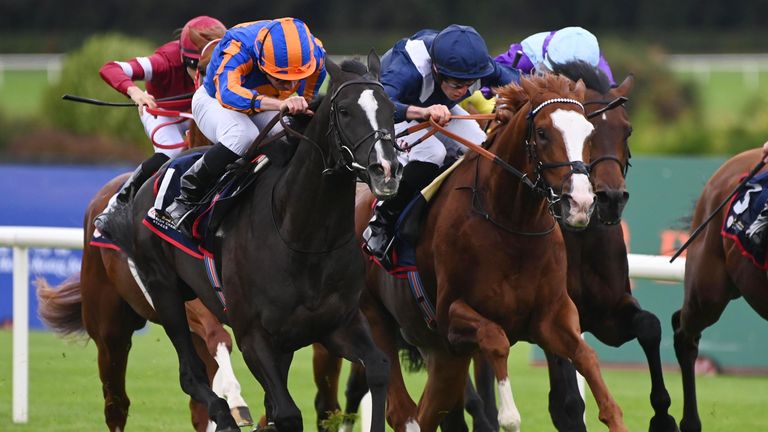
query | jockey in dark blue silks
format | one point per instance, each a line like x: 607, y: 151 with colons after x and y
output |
x: 758, y: 230
x: 426, y: 76
x: 541, y: 50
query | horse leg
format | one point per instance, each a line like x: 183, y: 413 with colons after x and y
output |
x: 326, y: 370
x: 566, y: 407
x: 647, y: 329
x: 169, y: 303
x: 401, y: 409
x: 270, y: 367
x: 444, y: 390
x: 561, y: 334
x: 357, y: 387
x: 484, y: 380
x: 110, y: 322
x: 199, y: 411
x: 219, y: 344
x: 353, y: 341
x: 705, y: 300
x: 468, y: 327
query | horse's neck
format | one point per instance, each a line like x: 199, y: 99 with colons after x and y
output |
x: 508, y: 197
x: 306, y: 201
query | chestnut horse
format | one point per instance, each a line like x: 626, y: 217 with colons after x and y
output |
x: 715, y: 273
x: 493, y: 257
x: 106, y: 302
x: 291, y: 270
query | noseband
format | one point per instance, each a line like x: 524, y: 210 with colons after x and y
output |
x: 346, y: 147
x: 609, y: 105
x: 577, y: 167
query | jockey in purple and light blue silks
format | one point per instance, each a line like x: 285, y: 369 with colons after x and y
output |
x: 254, y: 72
x: 541, y: 50
x: 426, y: 76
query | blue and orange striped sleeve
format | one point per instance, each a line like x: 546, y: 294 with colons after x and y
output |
x: 235, y: 65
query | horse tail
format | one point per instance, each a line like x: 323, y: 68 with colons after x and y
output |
x: 60, y: 307
x: 410, y: 356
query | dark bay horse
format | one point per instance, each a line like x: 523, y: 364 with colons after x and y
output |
x: 105, y: 301
x: 493, y: 258
x: 291, y: 268
x: 715, y: 273
x: 598, y: 274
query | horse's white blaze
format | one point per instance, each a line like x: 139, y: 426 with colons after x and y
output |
x: 370, y: 106
x: 575, y: 130
x: 509, y: 416
x: 224, y: 382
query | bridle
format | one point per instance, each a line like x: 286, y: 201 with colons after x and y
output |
x: 609, y: 105
x: 346, y: 146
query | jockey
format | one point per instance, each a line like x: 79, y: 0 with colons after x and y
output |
x: 543, y: 50
x: 758, y: 230
x: 256, y: 70
x: 426, y: 76
x: 168, y: 72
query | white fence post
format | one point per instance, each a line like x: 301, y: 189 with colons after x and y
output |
x: 21, y: 239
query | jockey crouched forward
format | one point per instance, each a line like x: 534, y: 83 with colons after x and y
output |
x: 426, y: 76
x: 254, y: 72
x: 168, y: 72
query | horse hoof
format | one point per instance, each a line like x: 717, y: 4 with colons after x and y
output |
x: 663, y: 424
x: 242, y: 416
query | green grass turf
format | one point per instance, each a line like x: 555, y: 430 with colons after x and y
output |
x: 21, y: 92
x: 65, y: 392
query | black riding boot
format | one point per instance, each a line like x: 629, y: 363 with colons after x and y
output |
x: 758, y: 230
x: 131, y: 186
x: 197, y: 181
x: 380, y: 232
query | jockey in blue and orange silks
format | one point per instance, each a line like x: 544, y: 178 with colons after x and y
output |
x: 256, y: 70
x: 426, y: 76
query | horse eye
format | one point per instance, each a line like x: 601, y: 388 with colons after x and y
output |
x: 343, y: 111
x: 541, y: 133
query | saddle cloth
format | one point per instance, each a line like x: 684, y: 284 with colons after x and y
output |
x: 743, y: 209
x: 208, y: 215
x: 402, y: 259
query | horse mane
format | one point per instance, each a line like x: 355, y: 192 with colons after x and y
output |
x: 594, y: 78
x: 512, y: 97
x: 354, y: 66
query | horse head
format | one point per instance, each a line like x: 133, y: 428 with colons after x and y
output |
x: 556, y: 134
x: 604, y: 108
x: 362, y: 122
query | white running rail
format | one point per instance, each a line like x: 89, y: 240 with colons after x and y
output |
x: 21, y: 239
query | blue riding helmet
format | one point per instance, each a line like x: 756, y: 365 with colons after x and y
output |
x: 460, y: 52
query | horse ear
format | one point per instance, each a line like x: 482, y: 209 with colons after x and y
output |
x: 374, y: 64
x: 580, y: 89
x: 626, y: 86
x: 333, y: 69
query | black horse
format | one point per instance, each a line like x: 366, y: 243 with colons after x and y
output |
x: 291, y: 268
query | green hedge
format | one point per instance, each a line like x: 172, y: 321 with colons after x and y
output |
x: 80, y: 76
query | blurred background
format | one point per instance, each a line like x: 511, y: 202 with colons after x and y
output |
x: 702, y: 77
x: 699, y: 97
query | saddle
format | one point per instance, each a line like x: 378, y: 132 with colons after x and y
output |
x: 743, y: 209
x: 222, y: 198
x: 401, y: 257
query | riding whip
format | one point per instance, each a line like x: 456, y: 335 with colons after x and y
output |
x: 76, y: 98
x: 698, y: 230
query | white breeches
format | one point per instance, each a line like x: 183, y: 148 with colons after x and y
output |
x: 170, y: 135
x: 233, y: 129
x: 435, y: 148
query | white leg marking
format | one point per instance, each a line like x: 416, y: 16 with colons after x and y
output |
x: 211, y: 427
x: 412, y: 426
x: 225, y: 380
x: 509, y: 416
x: 366, y: 408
